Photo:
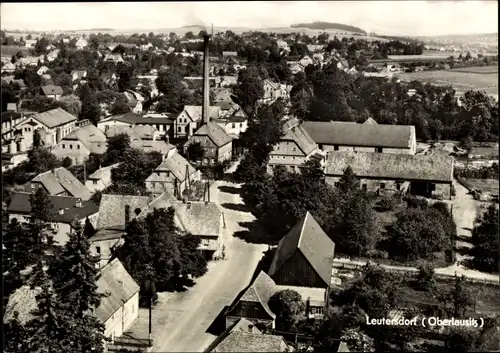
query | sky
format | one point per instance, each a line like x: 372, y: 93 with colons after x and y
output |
x: 416, y: 18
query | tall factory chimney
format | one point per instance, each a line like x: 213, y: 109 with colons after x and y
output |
x: 206, y: 83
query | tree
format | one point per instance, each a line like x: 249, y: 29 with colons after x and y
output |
x: 71, y: 104
x: 459, y: 299
x: 461, y: 340
x: 40, y: 104
x: 156, y: 242
x: 48, y: 331
x: 195, y: 151
x: 15, y: 336
x: 117, y: 145
x: 91, y: 110
x: 39, y: 222
x: 485, y: 240
x: 419, y: 233
x: 67, y: 162
x: 425, y: 278
x: 176, y: 95
x: 120, y: 106
x: 250, y: 89
x: 88, y: 229
x: 73, y: 274
x: 289, y: 308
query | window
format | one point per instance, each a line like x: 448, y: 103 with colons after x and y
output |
x: 241, y: 124
x: 179, y: 129
x: 78, y: 146
x: 64, y: 145
x: 337, y: 184
x: 98, y: 249
x: 233, y: 125
x: 294, y: 149
x: 316, y: 310
x: 94, y: 182
x: 70, y: 147
x: 335, y: 148
x: 382, y: 186
x: 364, y: 187
x: 379, y: 149
x: 398, y: 185
x: 432, y: 187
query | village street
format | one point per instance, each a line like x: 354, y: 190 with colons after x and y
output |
x: 181, y: 319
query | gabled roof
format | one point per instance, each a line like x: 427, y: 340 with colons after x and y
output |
x: 116, y: 282
x: 260, y: 291
x: 300, y: 136
x: 52, y: 90
x: 92, y: 137
x: 59, y: 180
x: 391, y: 166
x: 370, y: 135
x: 112, y: 209
x: 199, y: 218
x: 102, y: 172
x: 20, y: 204
x: 147, y: 146
x: 176, y: 164
x: 55, y: 117
x: 272, y: 84
x: 216, y: 133
x: 308, y: 238
x: 195, y: 112
x: 370, y: 121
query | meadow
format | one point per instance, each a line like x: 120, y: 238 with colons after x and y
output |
x: 9, y: 50
x: 462, y: 80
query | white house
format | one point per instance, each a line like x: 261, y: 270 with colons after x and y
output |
x: 190, y: 119
x: 100, y: 179
x: 81, y: 43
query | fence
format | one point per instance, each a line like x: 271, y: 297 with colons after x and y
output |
x: 339, y: 264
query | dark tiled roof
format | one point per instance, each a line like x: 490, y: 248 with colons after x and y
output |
x: 199, y: 218
x: 116, y: 282
x: 391, y: 166
x: 216, y: 133
x: 20, y: 204
x: 52, y: 90
x: 350, y: 134
x: 132, y: 118
x: 176, y: 164
x: 308, y: 238
x: 112, y: 209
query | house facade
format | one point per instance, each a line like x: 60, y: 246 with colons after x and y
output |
x: 59, y: 182
x: 369, y: 137
x: 100, y: 179
x: 53, y: 125
x: 64, y: 211
x: 293, y: 149
x: 190, y: 119
x: 120, y: 308
x: 422, y: 175
x: 174, y: 175
x: 80, y: 143
x: 51, y: 91
x: 216, y: 143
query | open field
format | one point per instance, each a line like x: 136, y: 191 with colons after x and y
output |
x: 489, y: 186
x: 461, y: 81
x: 9, y: 50
x: 477, y: 69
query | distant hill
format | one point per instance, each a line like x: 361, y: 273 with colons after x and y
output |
x: 329, y: 25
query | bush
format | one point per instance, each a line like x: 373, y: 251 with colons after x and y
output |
x: 387, y: 203
x: 67, y: 162
x: 377, y: 254
x: 415, y: 202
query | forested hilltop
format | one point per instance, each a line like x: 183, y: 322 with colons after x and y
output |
x: 329, y: 25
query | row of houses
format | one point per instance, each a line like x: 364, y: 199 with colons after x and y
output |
x: 382, y: 156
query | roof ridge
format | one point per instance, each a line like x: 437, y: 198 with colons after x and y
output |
x: 304, y: 220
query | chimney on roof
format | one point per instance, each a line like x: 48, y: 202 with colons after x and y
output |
x: 78, y: 203
x: 61, y: 211
x: 206, y: 85
x: 250, y: 328
x: 188, y: 205
x: 127, y: 214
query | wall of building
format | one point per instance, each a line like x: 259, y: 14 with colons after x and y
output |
x: 184, y: 126
x: 442, y: 190
x: 225, y: 152
x: 73, y: 149
x: 105, y: 125
x: 105, y: 247
x: 287, y: 148
x: 123, y: 318
x: 159, y: 187
x: 60, y: 230
x: 366, y: 149
x: 98, y: 185
x: 231, y: 320
x: 236, y: 128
